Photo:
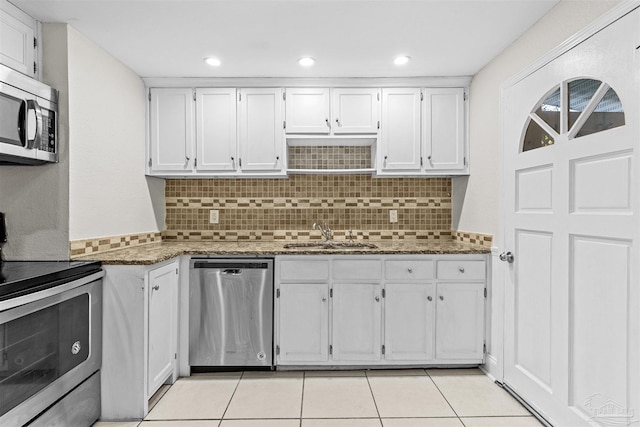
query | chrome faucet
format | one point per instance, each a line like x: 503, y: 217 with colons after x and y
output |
x: 324, y: 231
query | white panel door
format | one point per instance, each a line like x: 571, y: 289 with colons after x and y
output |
x: 570, y: 181
x: 355, y: 111
x: 307, y: 111
x: 443, y: 130
x: 400, y: 130
x: 409, y: 321
x: 261, y: 129
x: 356, y: 321
x: 459, y: 321
x: 162, y: 293
x: 216, y: 139
x: 172, y: 122
x: 303, y: 331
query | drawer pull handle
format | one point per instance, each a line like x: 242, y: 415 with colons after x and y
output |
x: 461, y: 269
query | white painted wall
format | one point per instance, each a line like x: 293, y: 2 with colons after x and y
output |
x: 476, y: 198
x: 109, y: 194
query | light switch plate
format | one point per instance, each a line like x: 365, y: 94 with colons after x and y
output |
x: 214, y: 216
x: 393, y: 216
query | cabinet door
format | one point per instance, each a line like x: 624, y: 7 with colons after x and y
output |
x: 17, y: 32
x: 355, y: 111
x: 307, y: 110
x: 303, y: 322
x: 400, y: 130
x: 172, y: 123
x: 261, y: 129
x: 216, y: 139
x: 356, y: 321
x: 162, y: 294
x: 460, y: 321
x: 409, y: 321
x: 444, y: 129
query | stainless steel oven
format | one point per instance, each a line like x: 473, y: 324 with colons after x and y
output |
x: 50, y: 344
x: 28, y: 120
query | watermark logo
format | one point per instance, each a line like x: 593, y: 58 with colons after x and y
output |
x: 605, y: 411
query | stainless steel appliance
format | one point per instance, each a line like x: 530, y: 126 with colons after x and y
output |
x: 231, y: 312
x: 28, y: 120
x: 50, y: 343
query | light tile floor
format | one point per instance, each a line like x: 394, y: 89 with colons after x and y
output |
x: 377, y: 398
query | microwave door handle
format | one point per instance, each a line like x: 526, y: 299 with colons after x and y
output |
x: 22, y: 123
x: 37, y: 138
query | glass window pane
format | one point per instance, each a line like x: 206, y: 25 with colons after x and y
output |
x: 536, y: 137
x: 607, y: 115
x: 549, y: 110
x: 580, y: 93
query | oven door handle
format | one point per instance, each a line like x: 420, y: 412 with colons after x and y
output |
x: 32, y: 104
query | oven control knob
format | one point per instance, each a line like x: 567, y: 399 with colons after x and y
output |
x: 75, y: 348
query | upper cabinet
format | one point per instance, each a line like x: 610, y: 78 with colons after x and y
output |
x: 18, y: 45
x: 339, y: 111
x: 216, y: 131
x: 423, y: 132
x: 250, y: 131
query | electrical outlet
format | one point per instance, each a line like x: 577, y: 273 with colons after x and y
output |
x: 214, y: 216
x: 393, y: 216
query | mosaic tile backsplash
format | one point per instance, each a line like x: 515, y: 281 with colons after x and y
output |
x: 265, y: 209
x: 324, y: 157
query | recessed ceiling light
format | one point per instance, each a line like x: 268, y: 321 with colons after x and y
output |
x: 401, y: 60
x: 214, y: 62
x: 306, y: 61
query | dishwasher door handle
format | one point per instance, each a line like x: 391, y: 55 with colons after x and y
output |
x: 232, y: 271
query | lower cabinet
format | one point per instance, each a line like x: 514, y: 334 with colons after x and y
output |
x: 380, y: 310
x: 140, y: 336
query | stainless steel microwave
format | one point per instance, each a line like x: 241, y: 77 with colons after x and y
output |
x: 28, y: 120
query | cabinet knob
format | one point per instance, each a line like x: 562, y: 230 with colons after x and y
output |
x: 327, y: 122
x: 429, y: 158
x: 429, y: 298
x: 156, y: 287
x: 441, y: 298
x: 324, y: 299
x: 338, y: 123
x: 187, y: 159
x: 377, y: 299
x: 461, y: 269
x: 410, y: 270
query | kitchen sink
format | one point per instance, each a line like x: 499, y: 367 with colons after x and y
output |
x: 330, y: 245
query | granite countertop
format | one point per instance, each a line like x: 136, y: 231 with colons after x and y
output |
x: 153, y: 253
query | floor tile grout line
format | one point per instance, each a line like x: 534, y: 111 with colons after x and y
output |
x: 232, y: 395
x: 374, y: 398
x: 443, y: 396
x: 304, y: 379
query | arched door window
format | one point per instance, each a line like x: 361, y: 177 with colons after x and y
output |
x: 577, y: 108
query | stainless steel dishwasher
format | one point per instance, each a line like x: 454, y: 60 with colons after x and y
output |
x: 230, y: 312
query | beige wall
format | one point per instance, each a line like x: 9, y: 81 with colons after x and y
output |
x: 109, y: 194
x: 476, y: 198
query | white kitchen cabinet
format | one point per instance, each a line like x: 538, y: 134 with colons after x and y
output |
x: 162, y: 288
x: 140, y: 336
x: 409, y: 321
x: 356, y: 322
x: 388, y: 310
x: 172, y: 122
x: 304, y: 323
x: 460, y: 321
x: 307, y: 111
x: 18, y: 46
x: 261, y: 130
x: 400, y: 142
x: 443, y: 135
x: 216, y: 130
x: 355, y: 110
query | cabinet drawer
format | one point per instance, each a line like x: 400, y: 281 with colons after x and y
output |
x: 408, y: 270
x: 357, y: 269
x: 306, y: 270
x: 461, y: 270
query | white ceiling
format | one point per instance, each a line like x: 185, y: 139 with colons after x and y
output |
x: 264, y: 38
